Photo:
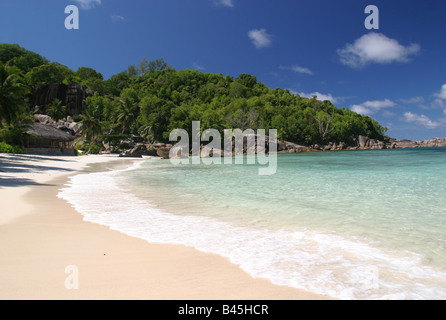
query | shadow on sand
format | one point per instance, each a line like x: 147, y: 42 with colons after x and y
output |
x: 16, y: 165
x: 20, y: 182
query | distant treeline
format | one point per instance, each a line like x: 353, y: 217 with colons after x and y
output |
x: 152, y: 98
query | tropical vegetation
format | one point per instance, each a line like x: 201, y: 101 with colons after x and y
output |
x: 152, y: 98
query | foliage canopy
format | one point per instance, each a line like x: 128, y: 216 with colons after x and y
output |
x: 151, y: 99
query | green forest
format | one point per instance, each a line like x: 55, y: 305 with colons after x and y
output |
x: 151, y: 98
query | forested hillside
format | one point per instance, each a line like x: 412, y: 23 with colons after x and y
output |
x: 152, y: 98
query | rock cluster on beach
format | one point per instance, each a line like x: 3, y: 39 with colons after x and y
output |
x: 138, y: 150
x: 363, y: 143
x: 69, y: 126
x: 135, y: 147
x: 433, y: 143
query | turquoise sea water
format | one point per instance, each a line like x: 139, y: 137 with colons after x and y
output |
x: 348, y: 224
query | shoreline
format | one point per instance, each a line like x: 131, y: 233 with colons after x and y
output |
x: 41, y: 235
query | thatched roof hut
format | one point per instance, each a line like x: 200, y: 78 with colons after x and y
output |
x: 45, y: 136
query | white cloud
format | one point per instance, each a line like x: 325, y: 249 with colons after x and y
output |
x: 414, y: 100
x: 442, y: 93
x: 298, y: 69
x: 226, y: 3
x: 362, y: 110
x: 436, y: 104
x: 260, y: 38
x: 319, y: 96
x: 375, y: 48
x: 421, y: 120
x: 88, y: 4
x: 117, y: 18
x: 371, y: 107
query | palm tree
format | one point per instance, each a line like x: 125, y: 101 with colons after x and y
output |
x: 14, y: 132
x: 56, y: 110
x: 12, y: 92
x: 91, y: 128
x: 126, y: 114
x: 146, y: 132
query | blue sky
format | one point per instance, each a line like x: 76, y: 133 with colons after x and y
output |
x: 395, y: 74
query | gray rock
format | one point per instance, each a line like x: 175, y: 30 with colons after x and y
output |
x: 363, y: 141
x: 134, y: 153
x: 342, y: 146
x: 126, y: 144
x: 382, y: 145
x: 163, y: 152
x: 73, y: 96
x: 43, y: 119
x: 281, y: 146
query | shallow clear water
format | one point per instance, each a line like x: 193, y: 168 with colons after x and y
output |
x: 351, y: 225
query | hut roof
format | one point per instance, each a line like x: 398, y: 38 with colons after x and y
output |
x: 43, y: 131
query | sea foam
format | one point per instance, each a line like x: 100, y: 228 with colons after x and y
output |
x: 326, y: 264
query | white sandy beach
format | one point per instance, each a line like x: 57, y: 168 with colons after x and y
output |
x: 41, y: 235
